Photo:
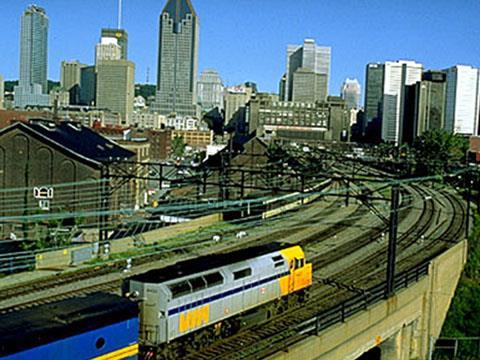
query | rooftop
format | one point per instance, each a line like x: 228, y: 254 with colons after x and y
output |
x: 204, y: 263
x: 178, y: 9
x: 75, y: 139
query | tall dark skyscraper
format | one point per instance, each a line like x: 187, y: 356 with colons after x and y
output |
x: 177, y: 59
x: 373, y: 92
x: 88, y: 85
x: 430, y: 102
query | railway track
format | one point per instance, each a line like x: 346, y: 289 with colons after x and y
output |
x: 106, y: 287
x: 425, y: 250
x: 64, y: 279
x: 276, y: 334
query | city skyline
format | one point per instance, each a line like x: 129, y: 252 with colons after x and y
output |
x: 422, y: 36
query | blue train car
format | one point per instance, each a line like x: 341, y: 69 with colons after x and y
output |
x: 95, y: 326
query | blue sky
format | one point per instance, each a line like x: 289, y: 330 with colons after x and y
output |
x: 246, y: 40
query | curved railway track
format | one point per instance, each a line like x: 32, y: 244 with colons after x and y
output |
x: 273, y: 336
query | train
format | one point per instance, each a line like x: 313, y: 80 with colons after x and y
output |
x: 164, y: 313
x: 95, y: 326
x: 191, y: 303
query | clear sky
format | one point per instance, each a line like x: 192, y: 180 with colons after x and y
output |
x: 246, y: 40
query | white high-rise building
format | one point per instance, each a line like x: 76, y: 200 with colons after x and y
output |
x: 462, y: 100
x: 351, y: 93
x: 210, y: 90
x: 397, y: 75
x: 32, y: 86
x: 107, y: 49
x: 308, y: 57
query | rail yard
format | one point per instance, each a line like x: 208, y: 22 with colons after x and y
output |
x: 347, y: 246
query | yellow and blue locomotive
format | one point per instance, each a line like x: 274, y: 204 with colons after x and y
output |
x: 213, y: 296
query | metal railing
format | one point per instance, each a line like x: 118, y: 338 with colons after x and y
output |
x: 359, y: 302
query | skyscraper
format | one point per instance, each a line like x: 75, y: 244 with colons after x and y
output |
x: 121, y: 36
x: 373, y: 93
x: 351, y: 93
x: 177, y: 59
x: 462, y: 105
x: 116, y: 86
x: 88, y: 85
x: 305, y: 57
x: 70, y: 79
x: 430, y: 102
x: 309, y: 86
x: 210, y: 90
x: 107, y: 49
x: 397, y: 75
x: 32, y: 87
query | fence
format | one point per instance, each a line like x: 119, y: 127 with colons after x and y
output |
x: 360, y: 301
x: 465, y: 348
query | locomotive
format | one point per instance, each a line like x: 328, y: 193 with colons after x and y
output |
x: 179, y: 308
x: 189, y: 304
x: 95, y: 326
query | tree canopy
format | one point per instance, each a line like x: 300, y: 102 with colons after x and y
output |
x: 436, y: 151
x: 178, y: 146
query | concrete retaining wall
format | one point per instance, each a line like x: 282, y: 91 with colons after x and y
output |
x: 402, y: 326
x: 57, y: 259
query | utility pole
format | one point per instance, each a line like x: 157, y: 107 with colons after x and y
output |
x: 392, y: 241
x: 104, y: 203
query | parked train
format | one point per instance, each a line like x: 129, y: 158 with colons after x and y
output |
x: 194, y: 301
x: 96, y: 326
x: 175, y: 308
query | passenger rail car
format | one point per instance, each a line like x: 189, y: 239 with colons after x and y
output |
x: 216, y: 293
x: 95, y: 326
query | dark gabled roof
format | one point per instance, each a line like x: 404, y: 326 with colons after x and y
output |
x: 75, y: 139
x: 205, y: 263
x: 25, y: 329
x: 178, y: 9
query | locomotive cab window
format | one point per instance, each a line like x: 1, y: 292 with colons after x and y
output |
x: 213, y: 279
x: 179, y: 289
x: 240, y: 274
x: 278, y: 261
x: 197, y: 283
x: 299, y: 263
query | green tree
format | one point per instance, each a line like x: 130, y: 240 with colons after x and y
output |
x: 145, y: 90
x: 436, y: 151
x: 463, y: 318
x: 178, y: 146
